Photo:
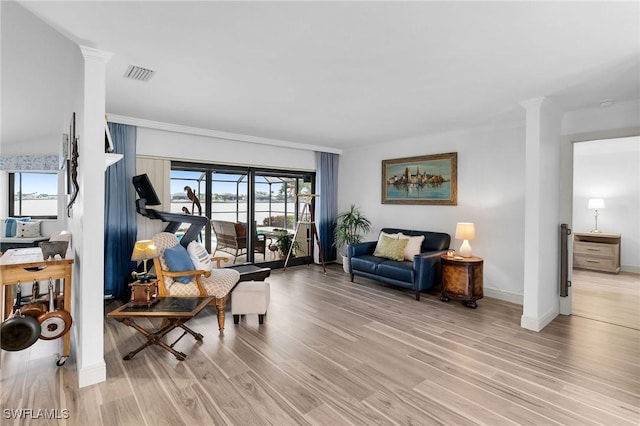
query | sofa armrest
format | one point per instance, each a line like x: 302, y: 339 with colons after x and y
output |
x: 427, y: 269
x: 359, y: 249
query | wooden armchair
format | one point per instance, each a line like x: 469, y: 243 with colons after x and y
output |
x: 217, y: 282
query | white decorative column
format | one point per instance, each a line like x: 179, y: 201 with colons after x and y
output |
x: 88, y: 222
x: 542, y: 214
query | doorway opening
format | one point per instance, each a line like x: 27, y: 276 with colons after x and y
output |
x: 606, y: 231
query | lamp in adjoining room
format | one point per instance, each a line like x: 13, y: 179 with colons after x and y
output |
x: 596, y: 203
x: 465, y: 231
x: 144, y: 250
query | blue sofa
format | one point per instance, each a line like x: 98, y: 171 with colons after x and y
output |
x: 422, y: 273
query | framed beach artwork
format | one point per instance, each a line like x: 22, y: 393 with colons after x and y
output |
x: 428, y: 179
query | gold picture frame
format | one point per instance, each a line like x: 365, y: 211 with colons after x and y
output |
x: 427, y: 179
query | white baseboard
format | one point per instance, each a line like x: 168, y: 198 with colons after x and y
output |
x: 630, y: 268
x: 537, y: 324
x: 93, y: 374
x: 89, y: 375
x: 507, y: 296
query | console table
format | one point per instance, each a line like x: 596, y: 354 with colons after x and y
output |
x: 24, y: 265
x: 596, y: 251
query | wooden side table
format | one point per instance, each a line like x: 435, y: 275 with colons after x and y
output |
x: 462, y: 279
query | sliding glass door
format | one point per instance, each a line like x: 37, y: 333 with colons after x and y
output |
x: 252, y: 211
x: 278, y: 213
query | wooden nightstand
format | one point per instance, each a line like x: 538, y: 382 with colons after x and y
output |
x: 462, y: 279
x: 596, y: 251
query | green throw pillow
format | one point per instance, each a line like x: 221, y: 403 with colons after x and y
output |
x: 391, y: 248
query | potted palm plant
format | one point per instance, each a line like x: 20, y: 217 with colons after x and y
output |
x: 283, y: 243
x: 349, y: 228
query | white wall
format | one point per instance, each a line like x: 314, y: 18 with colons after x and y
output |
x: 542, y: 214
x: 37, y: 83
x: 155, y: 148
x: 610, y: 169
x: 490, y: 193
x: 39, y: 66
x: 619, y: 116
x: 37, y: 72
x: 182, y: 146
x: 67, y: 81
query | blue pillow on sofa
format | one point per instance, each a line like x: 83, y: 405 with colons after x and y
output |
x: 178, y: 260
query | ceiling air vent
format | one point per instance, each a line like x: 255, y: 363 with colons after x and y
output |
x: 138, y: 73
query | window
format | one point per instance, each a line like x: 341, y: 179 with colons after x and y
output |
x: 33, y: 194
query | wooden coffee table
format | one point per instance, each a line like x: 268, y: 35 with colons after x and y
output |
x: 174, y: 311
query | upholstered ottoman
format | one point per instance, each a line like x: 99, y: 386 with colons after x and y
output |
x: 250, y: 297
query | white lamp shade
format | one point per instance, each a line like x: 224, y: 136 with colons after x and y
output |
x: 596, y: 203
x: 465, y: 231
x: 143, y: 250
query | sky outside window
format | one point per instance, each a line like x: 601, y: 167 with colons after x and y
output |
x: 42, y: 183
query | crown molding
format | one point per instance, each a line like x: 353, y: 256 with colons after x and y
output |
x: 533, y: 102
x: 177, y: 128
x: 90, y: 53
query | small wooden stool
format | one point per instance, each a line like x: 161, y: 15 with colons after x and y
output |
x: 250, y: 297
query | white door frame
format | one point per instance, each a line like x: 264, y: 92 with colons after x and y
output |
x: 566, y: 188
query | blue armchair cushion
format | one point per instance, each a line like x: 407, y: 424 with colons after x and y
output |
x: 178, y: 260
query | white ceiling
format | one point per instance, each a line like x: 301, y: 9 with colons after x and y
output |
x: 341, y: 74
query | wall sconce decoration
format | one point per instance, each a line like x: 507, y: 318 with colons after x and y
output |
x: 73, y: 164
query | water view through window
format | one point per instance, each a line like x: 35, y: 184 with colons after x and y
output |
x: 34, y: 194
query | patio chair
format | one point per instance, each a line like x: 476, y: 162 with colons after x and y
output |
x: 217, y: 281
x: 232, y: 238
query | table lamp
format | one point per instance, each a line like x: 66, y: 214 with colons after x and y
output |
x: 144, y: 250
x: 596, y: 203
x: 465, y: 231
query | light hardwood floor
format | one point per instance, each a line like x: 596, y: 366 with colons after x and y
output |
x: 612, y: 298
x: 331, y: 352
